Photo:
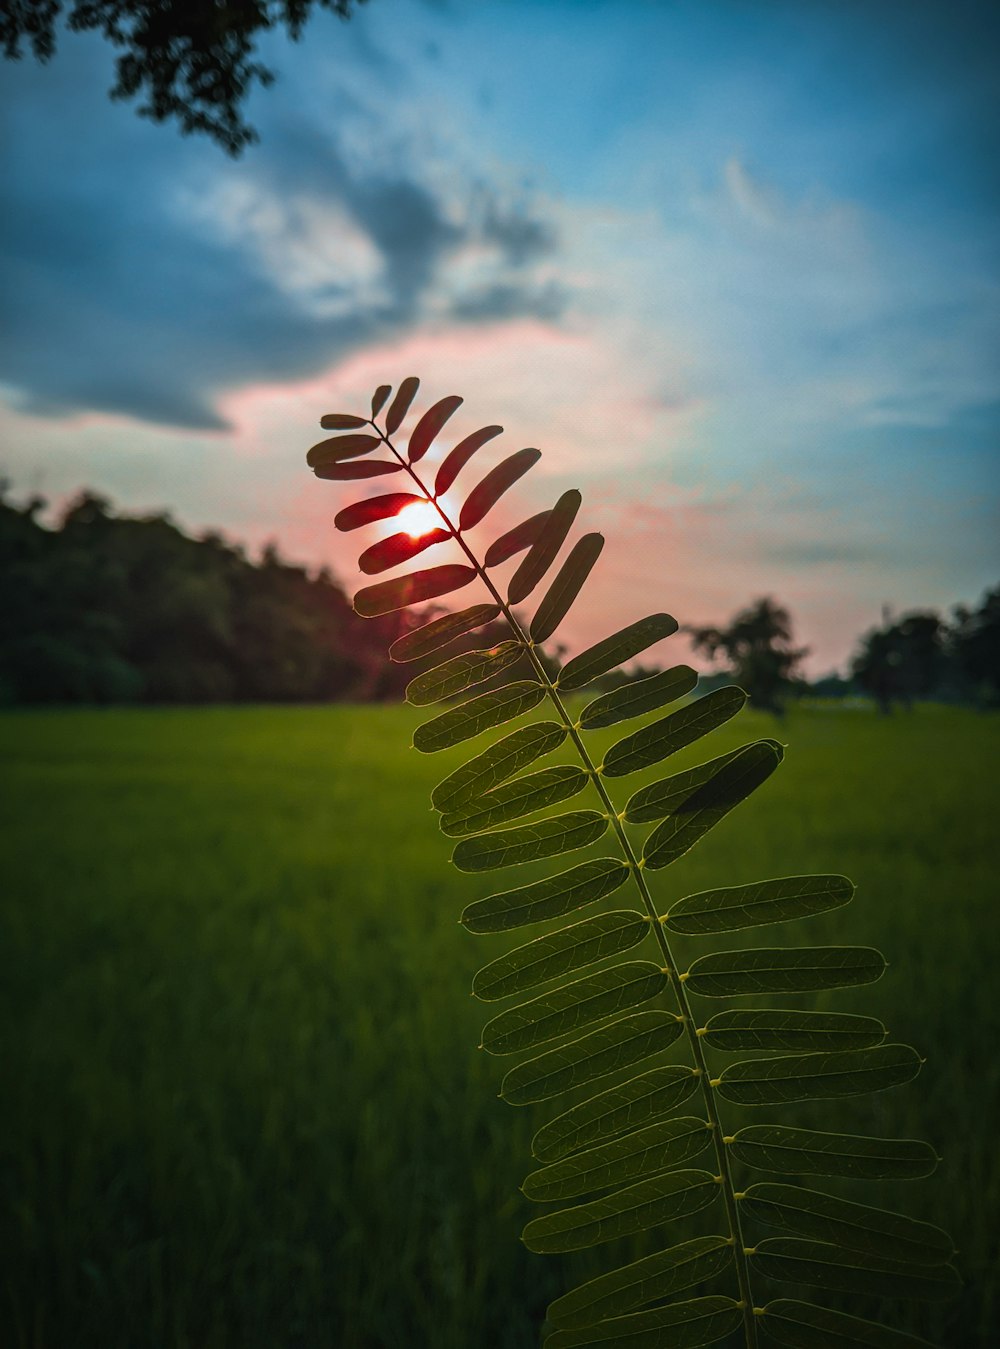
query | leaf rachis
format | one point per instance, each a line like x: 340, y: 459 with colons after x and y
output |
x: 605, y: 1021
x: 635, y: 865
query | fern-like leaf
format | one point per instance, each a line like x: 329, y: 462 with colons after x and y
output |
x: 590, y: 1023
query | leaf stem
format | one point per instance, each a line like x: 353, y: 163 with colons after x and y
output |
x: 635, y: 866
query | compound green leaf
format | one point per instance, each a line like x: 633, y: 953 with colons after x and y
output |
x: 427, y: 428
x: 604, y: 1051
x: 804, y: 1326
x: 822, y: 1217
x: 781, y: 1029
x: 375, y: 508
x: 662, y: 798
x: 549, y: 837
x: 822, y: 1265
x: 626, y: 1135
x: 338, y: 448
x: 496, y: 764
x: 658, y: 1147
x: 400, y: 405
x: 550, y: 898
x: 818, y: 1077
x: 650, y: 1203
x: 795, y: 969
x: 564, y: 1010
x: 646, y: 1280
x: 627, y: 1105
x: 461, y: 672
x: 457, y: 458
x: 742, y: 906
x: 432, y: 636
x: 485, y: 495
x: 615, y: 650
x: 682, y: 1325
x: 775, y: 1147
x: 478, y: 714
x: 560, y: 952
x: 664, y: 737
x: 567, y: 585
x: 544, y: 549
x: 638, y: 697
x: 523, y: 796
x: 403, y: 591
x: 397, y: 549
x: 515, y: 540
x: 360, y: 468
x: 341, y: 421
x: 709, y: 805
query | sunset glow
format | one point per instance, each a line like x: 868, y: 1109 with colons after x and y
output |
x: 418, y: 519
x: 711, y: 305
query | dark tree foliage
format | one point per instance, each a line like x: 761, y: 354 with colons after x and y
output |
x: 192, y: 60
x: 108, y: 608
x: 757, y: 646
x: 903, y: 661
x: 975, y: 643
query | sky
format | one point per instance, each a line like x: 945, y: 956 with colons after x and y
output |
x: 732, y: 267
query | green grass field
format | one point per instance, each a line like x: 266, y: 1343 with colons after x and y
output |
x: 242, y: 1100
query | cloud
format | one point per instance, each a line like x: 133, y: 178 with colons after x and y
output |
x: 153, y: 289
x: 762, y: 340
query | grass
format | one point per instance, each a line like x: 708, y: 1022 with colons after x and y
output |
x: 242, y: 1100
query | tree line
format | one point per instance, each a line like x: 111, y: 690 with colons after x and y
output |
x: 112, y: 608
x: 108, y: 608
x: 919, y: 655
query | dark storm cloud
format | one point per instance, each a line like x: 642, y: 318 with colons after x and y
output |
x: 120, y: 297
x: 522, y: 237
x: 492, y: 304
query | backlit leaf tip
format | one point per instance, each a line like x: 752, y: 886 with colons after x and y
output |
x: 406, y: 590
x: 338, y: 448
x: 545, y: 548
x: 515, y: 540
x: 341, y: 421
x: 487, y: 493
x: 398, y: 548
x: 457, y: 458
x: 423, y: 434
x: 478, y: 714
x: 441, y: 632
x: 375, y: 508
x: 378, y: 398
x: 400, y: 405
x: 349, y: 472
x: 615, y: 650
x: 568, y: 583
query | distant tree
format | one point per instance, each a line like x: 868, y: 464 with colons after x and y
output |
x: 191, y: 60
x: 903, y: 660
x: 110, y: 608
x: 757, y: 644
x: 975, y: 641
x: 832, y: 685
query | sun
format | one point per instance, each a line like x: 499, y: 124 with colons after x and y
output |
x: 418, y: 519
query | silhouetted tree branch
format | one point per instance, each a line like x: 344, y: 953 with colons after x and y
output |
x: 192, y: 60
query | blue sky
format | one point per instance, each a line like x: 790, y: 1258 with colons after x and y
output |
x: 731, y: 266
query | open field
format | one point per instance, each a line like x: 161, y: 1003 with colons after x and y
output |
x: 243, y: 1105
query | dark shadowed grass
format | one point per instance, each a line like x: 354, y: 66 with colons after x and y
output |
x: 242, y: 1100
